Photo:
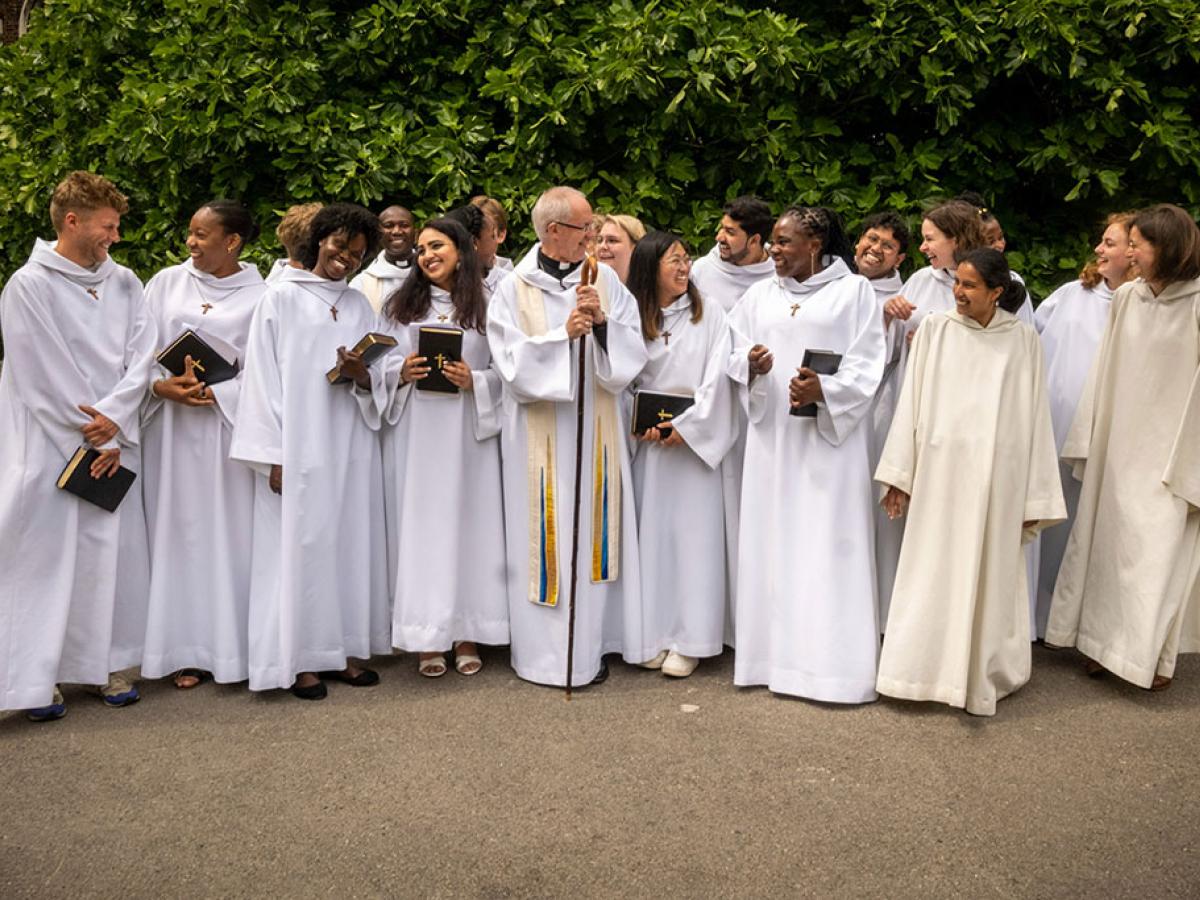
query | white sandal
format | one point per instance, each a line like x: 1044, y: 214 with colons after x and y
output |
x: 434, y: 667
x: 462, y: 661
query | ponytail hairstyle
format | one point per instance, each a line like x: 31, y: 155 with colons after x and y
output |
x: 823, y: 223
x: 235, y: 219
x: 960, y: 221
x: 993, y: 269
x: 642, y: 280
x: 412, y: 301
x: 1089, y: 275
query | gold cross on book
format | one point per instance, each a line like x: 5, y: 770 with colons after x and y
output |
x: 441, y: 360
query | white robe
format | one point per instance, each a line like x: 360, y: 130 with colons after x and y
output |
x: 495, y: 277
x: 725, y: 283
x: 680, y: 504
x: 319, y: 570
x: 971, y: 443
x: 381, y: 279
x: 888, y: 532
x: 546, y: 368
x: 72, y: 576
x: 1071, y: 322
x: 277, y: 269
x: 1131, y: 563
x: 806, y: 615
x: 445, y: 510
x: 199, y: 502
x: 932, y: 291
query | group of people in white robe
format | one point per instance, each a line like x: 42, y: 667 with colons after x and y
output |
x: 993, y: 476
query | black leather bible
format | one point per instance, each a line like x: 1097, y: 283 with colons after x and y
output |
x: 823, y: 362
x: 651, y: 408
x: 210, y: 366
x: 439, y: 344
x: 372, y: 346
x: 105, y: 492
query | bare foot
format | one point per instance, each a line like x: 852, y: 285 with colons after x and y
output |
x: 307, y: 679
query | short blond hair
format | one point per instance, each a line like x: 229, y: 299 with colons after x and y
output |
x: 84, y: 192
x: 631, y: 225
x: 293, y: 227
x: 491, y: 207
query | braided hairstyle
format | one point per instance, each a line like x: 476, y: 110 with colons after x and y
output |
x: 823, y: 223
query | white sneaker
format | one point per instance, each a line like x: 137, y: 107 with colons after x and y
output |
x: 679, y: 666
x: 655, y: 663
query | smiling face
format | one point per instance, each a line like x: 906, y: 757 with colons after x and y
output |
x: 972, y: 297
x: 438, y: 257
x: 87, y: 234
x: 673, y: 270
x: 396, y: 223
x: 568, y: 240
x: 877, y: 253
x: 211, y: 248
x: 795, y: 253
x: 734, y: 245
x: 1112, y: 254
x: 613, y: 246
x: 994, y: 235
x: 339, y: 256
x: 937, y: 246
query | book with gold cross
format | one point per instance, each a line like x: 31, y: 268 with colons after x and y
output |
x: 208, y: 364
x: 652, y: 408
x: 439, y: 344
x: 372, y: 346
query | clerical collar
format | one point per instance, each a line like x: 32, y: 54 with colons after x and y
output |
x: 554, y: 267
x: 400, y: 263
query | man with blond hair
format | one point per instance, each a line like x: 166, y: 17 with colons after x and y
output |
x: 80, y: 346
x: 540, y: 319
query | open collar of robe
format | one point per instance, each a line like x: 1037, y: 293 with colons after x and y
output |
x: 813, y: 283
x: 888, y: 286
x: 1178, y: 290
x: 742, y: 276
x: 330, y: 290
x: 380, y: 267
x: 1002, y: 321
x: 45, y: 255
x: 246, y: 276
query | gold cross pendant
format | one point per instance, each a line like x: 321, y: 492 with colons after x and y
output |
x: 92, y: 291
x: 795, y: 307
x: 205, y: 307
x: 333, y: 312
x: 443, y: 318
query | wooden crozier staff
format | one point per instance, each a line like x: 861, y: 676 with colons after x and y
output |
x: 587, y: 276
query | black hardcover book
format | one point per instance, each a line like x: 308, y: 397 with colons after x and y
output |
x: 105, y: 492
x: 372, y: 346
x: 210, y: 366
x: 823, y: 362
x: 651, y: 408
x: 439, y: 344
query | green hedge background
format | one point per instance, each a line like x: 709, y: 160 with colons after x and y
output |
x: 1058, y: 112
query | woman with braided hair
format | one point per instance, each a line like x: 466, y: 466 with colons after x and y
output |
x: 806, y: 618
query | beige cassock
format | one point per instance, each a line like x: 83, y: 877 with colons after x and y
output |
x: 1131, y: 563
x: 971, y: 442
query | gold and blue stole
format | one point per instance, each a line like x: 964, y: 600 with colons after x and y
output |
x: 604, y: 478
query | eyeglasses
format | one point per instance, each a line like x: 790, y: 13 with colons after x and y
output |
x: 589, y: 227
x: 680, y: 261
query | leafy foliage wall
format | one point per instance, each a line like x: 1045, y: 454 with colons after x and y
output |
x: 1057, y: 111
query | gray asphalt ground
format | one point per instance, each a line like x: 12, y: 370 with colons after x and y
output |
x: 641, y: 787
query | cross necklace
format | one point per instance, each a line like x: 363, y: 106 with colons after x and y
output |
x: 441, y: 317
x: 333, y: 307
x: 669, y: 324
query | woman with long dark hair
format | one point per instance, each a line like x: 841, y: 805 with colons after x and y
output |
x: 199, y: 502
x: 676, y: 466
x: 806, y: 616
x: 1130, y: 568
x: 970, y: 458
x: 442, y: 461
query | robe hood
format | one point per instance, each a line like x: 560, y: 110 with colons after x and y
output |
x: 742, y: 276
x: 1172, y: 292
x: 314, y: 282
x: 381, y: 268
x: 1001, y: 321
x: 831, y: 273
x: 47, y: 257
x: 247, y: 276
x: 888, y: 286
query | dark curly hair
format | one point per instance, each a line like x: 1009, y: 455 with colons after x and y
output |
x: 349, y: 219
x: 411, y: 302
x: 893, y: 222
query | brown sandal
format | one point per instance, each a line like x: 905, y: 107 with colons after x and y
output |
x: 186, y: 679
x: 1160, y: 683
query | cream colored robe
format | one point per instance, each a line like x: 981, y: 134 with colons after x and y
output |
x: 1132, y: 559
x: 971, y: 443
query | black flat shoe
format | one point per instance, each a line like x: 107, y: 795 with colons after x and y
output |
x: 602, y: 675
x: 365, y: 678
x: 316, y: 691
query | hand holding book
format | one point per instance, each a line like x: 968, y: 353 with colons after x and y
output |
x: 351, y: 366
x: 186, y: 388
x: 805, y: 388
